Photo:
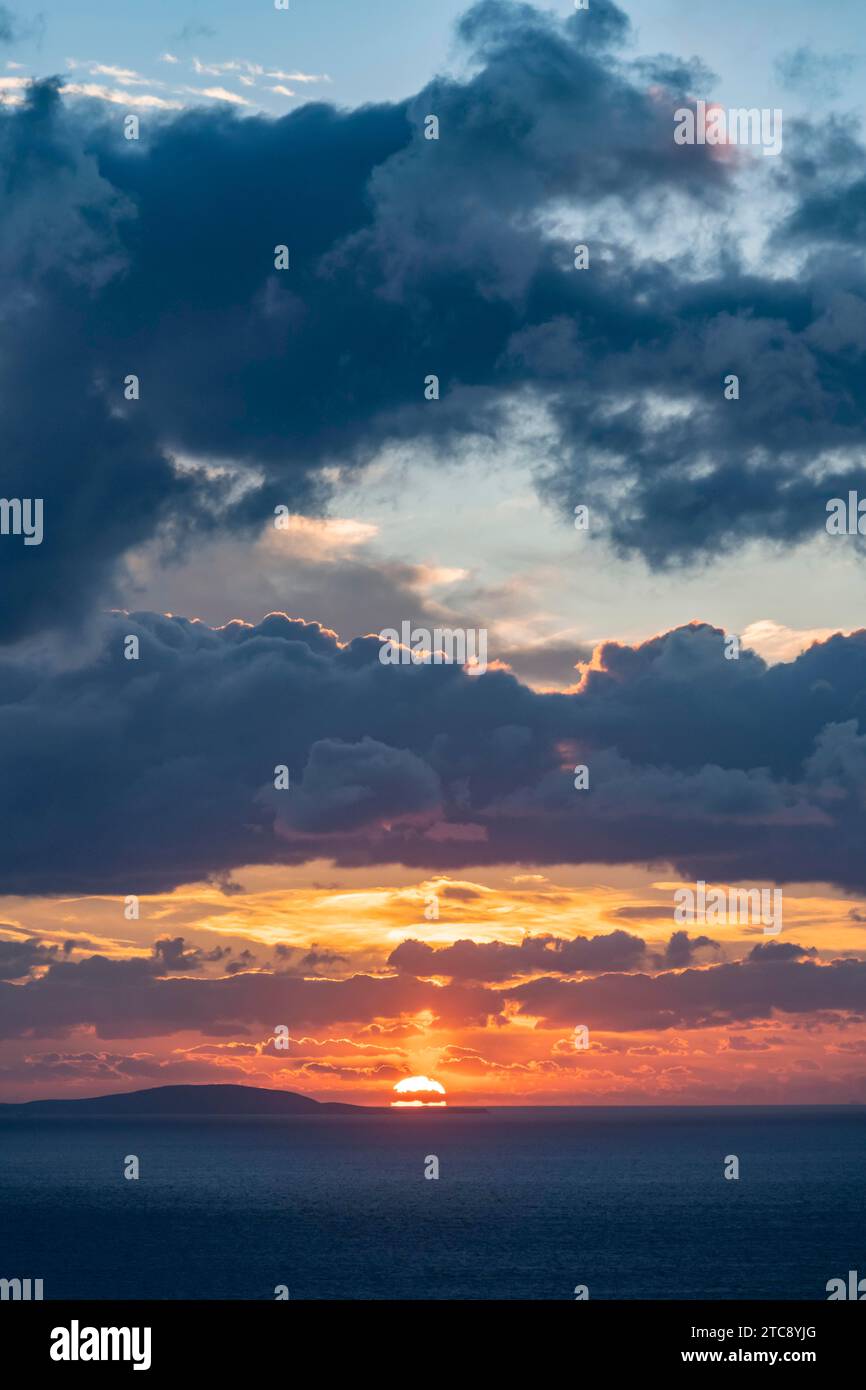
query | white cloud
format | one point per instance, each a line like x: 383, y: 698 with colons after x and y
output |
x: 234, y: 65
x: 10, y: 90
x: 222, y: 94
x: 127, y: 75
x: 118, y: 96
x: 298, y: 76
x: 320, y: 538
x: 122, y: 74
x: 210, y: 69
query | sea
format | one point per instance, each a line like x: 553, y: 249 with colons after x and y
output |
x: 529, y: 1203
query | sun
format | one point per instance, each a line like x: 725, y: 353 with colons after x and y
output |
x: 419, y: 1091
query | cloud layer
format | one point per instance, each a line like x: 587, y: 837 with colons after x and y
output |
x: 133, y: 776
x: 408, y: 257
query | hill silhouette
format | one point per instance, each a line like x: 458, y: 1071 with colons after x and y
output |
x: 182, y: 1101
x: 193, y: 1102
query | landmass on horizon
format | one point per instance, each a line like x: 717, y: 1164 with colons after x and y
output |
x: 221, y: 1100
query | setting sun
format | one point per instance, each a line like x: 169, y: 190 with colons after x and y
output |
x: 420, y: 1091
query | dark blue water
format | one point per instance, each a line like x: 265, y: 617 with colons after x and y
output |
x: 530, y: 1203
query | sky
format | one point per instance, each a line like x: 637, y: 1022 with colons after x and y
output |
x: 432, y: 894
x: 388, y: 50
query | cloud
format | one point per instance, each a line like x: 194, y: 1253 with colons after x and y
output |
x: 819, y: 75
x: 219, y: 94
x: 731, y: 771
x: 496, y: 960
x: 709, y: 997
x: 118, y: 96
x: 173, y: 953
x: 409, y: 255
x: 682, y: 949
x: 20, y: 957
x: 192, y: 30
x: 347, y: 786
x: 400, y: 260
x: 297, y: 76
x: 127, y: 999
x: 15, y: 30
x: 114, y: 1071
x: 122, y: 74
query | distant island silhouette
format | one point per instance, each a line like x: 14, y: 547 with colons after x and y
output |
x: 201, y: 1101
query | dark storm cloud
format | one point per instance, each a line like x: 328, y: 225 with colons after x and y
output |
x: 21, y: 958
x: 411, y: 256
x: 719, y: 994
x: 134, y: 776
x: 171, y: 953
x: 829, y: 188
x: 174, y: 953
x: 408, y: 256
x: 496, y: 960
x: 124, y: 999
x: 682, y: 949
x: 18, y: 958
x: 295, y: 960
x: 780, y: 950
x: 346, y: 785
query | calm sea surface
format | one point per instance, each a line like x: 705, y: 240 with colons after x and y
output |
x: 529, y: 1203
